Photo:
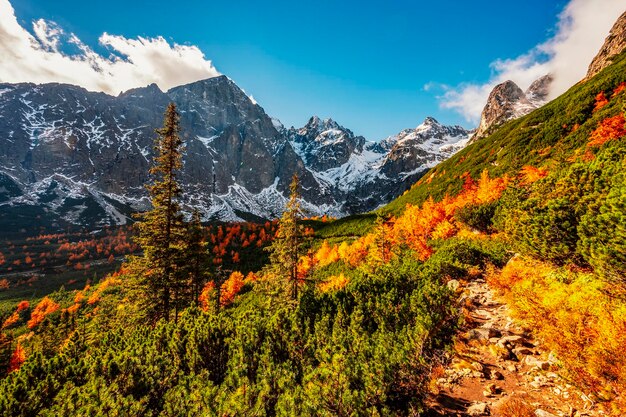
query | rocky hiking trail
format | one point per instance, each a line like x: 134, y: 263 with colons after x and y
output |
x: 497, y: 368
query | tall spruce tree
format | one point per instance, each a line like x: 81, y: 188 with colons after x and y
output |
x: 197, y: 257
x: 285, y: 249
x: 161, y: 231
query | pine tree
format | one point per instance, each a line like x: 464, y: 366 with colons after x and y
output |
x: 161, y: 231
x: 285, y: 249
x: 197, y: 256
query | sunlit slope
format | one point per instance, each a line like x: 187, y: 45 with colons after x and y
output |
x: 549, y: 137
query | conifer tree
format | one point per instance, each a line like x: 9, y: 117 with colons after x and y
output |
x: 161, y: 231
x: 197, y: 256
x: 285, y: 249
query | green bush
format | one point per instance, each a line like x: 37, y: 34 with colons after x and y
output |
x: 478, y: 216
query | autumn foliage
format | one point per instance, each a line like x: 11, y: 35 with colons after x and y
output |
x: 46, y: 306
x: 609, y: 129
x: 17, y: 358
x: 435, y: 220
x: 206, y: 296
x: 530, y: 174
x: 414, y: 229
x: 574, y: 317
x: 15, y: 317
x: 334, y: 283
x: 601, y: 101
x: 231, y: 288
x: 76, y: 250
x: 327, y: 254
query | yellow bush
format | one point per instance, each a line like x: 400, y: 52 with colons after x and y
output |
x: 575, y: 315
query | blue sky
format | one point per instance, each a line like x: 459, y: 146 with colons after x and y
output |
x: 363, y: 63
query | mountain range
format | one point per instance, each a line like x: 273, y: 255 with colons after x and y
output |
x: 70, y: 156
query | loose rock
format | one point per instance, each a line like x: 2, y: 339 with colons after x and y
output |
x: 542, y: 413
x: 478, y: 409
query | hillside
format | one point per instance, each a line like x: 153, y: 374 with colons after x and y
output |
x: 545, y: 138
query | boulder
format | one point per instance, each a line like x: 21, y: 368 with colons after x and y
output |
x: 478, y: 409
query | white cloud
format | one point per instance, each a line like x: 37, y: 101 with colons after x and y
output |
x: 133, y: 62
x: 583, y: 25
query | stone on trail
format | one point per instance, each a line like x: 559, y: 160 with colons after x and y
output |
x: 478, y: 409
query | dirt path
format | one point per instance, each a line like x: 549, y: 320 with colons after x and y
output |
x: 499, y: 369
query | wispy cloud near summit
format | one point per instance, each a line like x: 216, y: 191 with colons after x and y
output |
x: 40, y: 57
x: 580, y: 32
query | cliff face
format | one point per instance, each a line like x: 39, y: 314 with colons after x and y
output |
x: 613, y: 45
x: 506, y: 101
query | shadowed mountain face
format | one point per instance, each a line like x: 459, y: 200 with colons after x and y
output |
x: 68, y: 155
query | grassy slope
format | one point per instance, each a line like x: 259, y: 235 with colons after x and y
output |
x: 543, y: 138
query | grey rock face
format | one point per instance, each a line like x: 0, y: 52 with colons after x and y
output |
x: 99, y: 148
x: 367, y: 174
x: 430, y: 142
x: 324, y: 144
x: 613, y: 45
x: 507, y: 101
x: 537, y: 93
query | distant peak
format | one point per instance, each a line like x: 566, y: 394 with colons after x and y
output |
x: 205, y: 82
x: 427, y: 124
x: 314, y: 120
x: 430, y: 121
x: 539, y: 90
x: 139, y: 91
x: 316, y: 123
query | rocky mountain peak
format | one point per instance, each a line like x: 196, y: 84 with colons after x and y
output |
x: 614, y: 44
x: 430, y: 121
x: 315, y: 124
x: 506, y: 101
x: 430, y: 141
x: 324, y: 143
x: 147, y: 91
x: 538, y: 92
x: 505, y: 92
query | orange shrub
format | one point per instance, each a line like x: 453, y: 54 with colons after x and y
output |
x: 305, y: 265
x: 17, y: 358
x: 609, y: 129
x: 231, y: 288
x: 435, y: 220
x: 11, y: 320
x: 108, y: 282
x: 530, y: 174
x: 251, y: 277
x: 206, y: 296
x: 45, y: 307
x: 334, y: 283
x: 327, y: 254
x: 601, y: 101
x: 73, y: 308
